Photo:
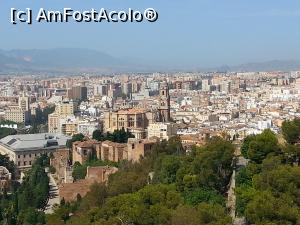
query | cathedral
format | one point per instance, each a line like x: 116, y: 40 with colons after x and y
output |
x: 137, y: 120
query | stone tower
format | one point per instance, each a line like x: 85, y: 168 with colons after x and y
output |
x: 164, y: 103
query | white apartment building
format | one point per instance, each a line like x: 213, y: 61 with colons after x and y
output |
x: 17, y: 115
x: 62, y: 111
x: 163, y: 131
x: 88, y: 127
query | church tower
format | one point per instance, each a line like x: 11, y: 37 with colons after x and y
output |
x: 164, y: 103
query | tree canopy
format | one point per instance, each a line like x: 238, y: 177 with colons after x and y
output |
x: 258, y: 147
x: 75, y: 137
x: 268, y: 187
x: 165, y: 187
x: 25, y: 204
x: 119, y: 136
x: 7, y: 131
x: 291, y: 130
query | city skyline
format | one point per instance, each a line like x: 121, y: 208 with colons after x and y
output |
x: 201, y: 34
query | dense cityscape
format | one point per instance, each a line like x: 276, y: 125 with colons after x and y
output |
x: 178, y: 149
x: 149, y: 112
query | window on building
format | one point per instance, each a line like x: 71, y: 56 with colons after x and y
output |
x: 30, y: 163
x: 25, y: 163
x: 18, y: 156
x: 132, y: 146
x: 19, y: 163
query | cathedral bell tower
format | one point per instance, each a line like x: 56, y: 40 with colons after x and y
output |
x: 164, y: 103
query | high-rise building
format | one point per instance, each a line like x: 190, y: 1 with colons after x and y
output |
x: 78, y: 93
x: 24, y: 103
x: 206, y: 85
x: 17, y: 115
x: 20, y: 113
x: 136, y: 86
x: 65, y: 108
x: 127, y: 88
x: 100, y: 89
x: 53, y: 123
x: 225, y: 87
x: 62, y: 110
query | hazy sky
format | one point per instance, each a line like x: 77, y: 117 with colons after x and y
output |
x: 199, y: 33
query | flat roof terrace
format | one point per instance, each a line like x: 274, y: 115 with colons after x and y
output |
x: 23, y: 142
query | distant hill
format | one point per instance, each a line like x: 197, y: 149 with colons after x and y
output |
x: 275, y: 65
x: 60, y: 59
x: 76, y: 60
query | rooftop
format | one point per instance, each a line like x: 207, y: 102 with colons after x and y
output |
x: 23, y: 142
x: 132, y: 111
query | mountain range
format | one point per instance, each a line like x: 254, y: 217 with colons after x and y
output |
x: 57, y: 60
x: 76, y: 60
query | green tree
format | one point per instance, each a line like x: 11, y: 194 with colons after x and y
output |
x: 98, y: 135
x: 165, y: 169
x: 244, y: 194
x: 7, y: 131
x: 41, y: 116
x: 200, y: 195
x: 292, y: 153
x: 267, y: 209
x: 43, y: 161
x: 213, y: 164
x: 95, y: 197
x: 119, y: 136
x: 185, y: 215
x: 62, y: 214
x: 264, y: 144
x: 180, y: 180
x: 282, y: 180
x: 24, y: 204
x: 291, y: 130
x: 34, y: 189
x: 151, y: 205
x: 31, y: 216
x: 79, y: 171
x: 75, y: 137
x: 9, y: 216
x: 8, y: 164
x: 126, y: 182
x: 246, y: 144
x: 203, y: 214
